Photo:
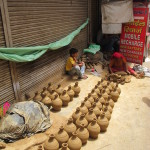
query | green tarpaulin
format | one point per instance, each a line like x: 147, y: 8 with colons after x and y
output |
x: 93, y: 48
x: 24, y: 54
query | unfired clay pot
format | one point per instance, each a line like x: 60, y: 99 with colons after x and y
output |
x: 70, y: 127
x: 83, y: 134
x: 49, y: 87
x: 94, y: 94
x: 46, y: 100
x: 105, y: 95
x: 118, y: 89
x: 114, y: 95
x: 103, y: 122
x: 74, y: 143
x: 101, y: 99
x: 104, y: 83
x: 107, y: 113
x: 109, y: 86
x: 96, y: 89
x: 96, y: 110
x: 65, y: 98
x: 70, y: 93
x: 64, y: 146
x: 57, y: 103
x: 51, y: 143
x: 52, y: 94
x: 112, y: 84
x: 45, y: 91
x: 76, y: 114
x: 98, y: 104
x: 111, y: 102
x: 90, y: 98
x: 76, y: 89
x: 94, y: 129
x: 100, y: 87
x: 59, y: 89
x: 109, y: 107
x: 81, y: 120
x: 37, y: 97
x: 87, y: 103
x: 62, y: 136
x: 83, y: 108
x: 90, y: 115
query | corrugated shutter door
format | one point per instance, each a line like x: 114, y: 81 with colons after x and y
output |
x: 6, y: 89
x: 41, y: 22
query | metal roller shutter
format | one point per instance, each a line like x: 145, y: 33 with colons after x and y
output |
x: 41, y: 22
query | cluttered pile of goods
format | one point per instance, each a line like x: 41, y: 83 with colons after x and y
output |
x: 91, y: 118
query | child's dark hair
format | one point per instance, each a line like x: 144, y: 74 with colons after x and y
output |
x: 73, y: 51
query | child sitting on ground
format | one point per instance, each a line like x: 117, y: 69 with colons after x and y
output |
x: 73, y: 67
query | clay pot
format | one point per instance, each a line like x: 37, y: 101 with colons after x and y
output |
x: 103, y: 122
x: 49, y: 87
x: 100, y: 87
x: 51, y: 143
x: 76, y: 89
x: 94, y: 94
x: 57, y: 103
x: 109, y: 107
x: 109, y: 86
x: 37, y: 97
x: 104, y: 83
x: 97, y: 90
x: 83, y: 134
x: 104, y: 95
x: 107, y: 113
x: 90, y: 115
x: 112, y: 84
x: 101, y: 99
x: 64, y: 146
x: 87, y: 103
x: 71, y: 93
x: 83, y: 108
x: 90, y: 98
x: 76, y: 114
x: 62, y: 136
x: 94, y: 129
x: 46, y: 100
x: 114, y: 95
x: 107, y: 90
x: 81, y: 120
x: 118, y: 89
x: 74, y: 143
x: 98, y: 104
x: 45, y: 91
x: 65, y: 98
x: 70, y: 127
x: 40, y: 147
x: 96, y: 110
x: 111, y: 102
x: 52, y: 94
x: 59, y: 89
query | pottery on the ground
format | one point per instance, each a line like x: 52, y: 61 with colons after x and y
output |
x: 87, y: 103
x: 81, y: 120
x: 104, y: 83
x: 46, y: 100
x: 90, y: 115
x: 107, y: 113
x: 65, y: 98
x: 70, y: 92
x: 98, y: 103
x: 76, y: 89
x: 70, y: 127
x: 74, y: 143
x: 49, y: 87
x: 64, y: 146
x: 94, y: 94
x: 109, y: 107
x: 83, y: 134
x: 52, y: 94
x: 59, y: 89
x: 96, y: 110
x: 76, y: 114
x: 83, y: 108
x: 45, y: 91
x: 111, y: 102
x: 97, y: 89
x: 94, y: 129
x: 114, y: 95
x: 51, y: 143
x: 104, y: 95
x: 101, y: 99
x: 37, y: 96
x: 90, y: 98
x: 118, y: 89
x: 57, y: 103
x: 40, y: 147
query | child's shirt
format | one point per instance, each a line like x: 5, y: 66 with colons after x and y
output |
x: 70, y: 63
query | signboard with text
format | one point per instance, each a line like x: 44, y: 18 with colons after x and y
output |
x: 132, y: 40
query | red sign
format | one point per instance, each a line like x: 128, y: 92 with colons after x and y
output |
x: 132, y: 40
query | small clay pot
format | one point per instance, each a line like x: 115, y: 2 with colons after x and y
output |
x: 83, y: 108
x: 98, y: 104
x: 96, y: 110
x: 40, y: 147
x: 114, y: 95
x: 57, y: 103
x: 107, y: 90
x: 104, y: 95
x: 109, y: 86
x: 76, y: 89
x: 94, y: 94
x: 37, y: 97
x: 87, y: 103
x: 64, y: 146
x: 76, y: 114
x: 83, y: 134
x: 81, y: 120
x: 97, y: 89
x: 90, y: 98
x: 52, y: 94
x: 100, y: 87
x: 62, y: 136
x: 49, y: 87
x: 90, y: 115
x: 46, y: 100
x: 51, y: 143
x: 65, y: 98
x: 45, y: 91
x: 94, y: 129
x: 59, y: 89
x: 103, y: 122
x: 71, y: 93
x: 112, y: 84
x: 101, y: 99
x: 70, y: 127
x: 74, y: 143
x: 118, y: 89
x: 107, y: 113
x: 109, y: 107
x: 104, y: 83
x: 111, y: 102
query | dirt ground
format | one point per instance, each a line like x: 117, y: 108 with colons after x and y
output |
x: 129, y: 127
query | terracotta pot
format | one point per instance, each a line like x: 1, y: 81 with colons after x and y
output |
x: 74, y: 143
x: 40, y: 147
x: 45, y: 91
x: 112, y: 84
x: 105, y: 95
x: 107, y: 113
x: 76, y: 114
x: 101, y: 99
x: 114, y: 95
x: 97, y: 89
x: 52, y: 94
x: 103, y: 122
x: 118, y: 89
x: 37, y: 97
x: 70, y: 127
x: 81, y: 120
x: 109, y: 86
x: 111, y: 102
x: 59, y: 89
x: 96, y: 110
x: 64, y: 146
x: 94, y: 129
x: 71, y: 93
x: 62, y: 136
x: 76, y: 89
x: 90, y: 98
x: 51, y: 143
x: 87, y: 103
x: 104, y: 83
x: 107, y: 90
x: 65, y: 98
x: 83, y: 108
x: 98, y: 104
x: 100, y: 87
x: 94, y: 94
x: 57, y: 103
x: 49, y: 87
x: 109, y: 107
x: 46, y: 100
x: 83, y: 134
x: 90, y: 115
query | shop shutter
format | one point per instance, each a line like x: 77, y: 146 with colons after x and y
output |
x: 41, y: 22
x: 6, y: 88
